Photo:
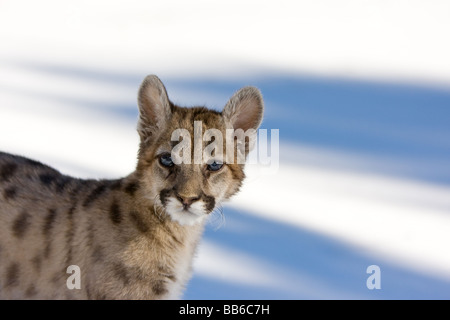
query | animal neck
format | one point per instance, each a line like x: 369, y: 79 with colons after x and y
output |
x: 153, y: 228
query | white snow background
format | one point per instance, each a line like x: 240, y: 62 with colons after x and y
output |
x: 360, y: 93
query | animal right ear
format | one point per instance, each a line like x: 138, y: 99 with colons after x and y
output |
x: 154, y: 107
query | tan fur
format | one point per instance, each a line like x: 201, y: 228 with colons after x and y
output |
x: 123, y: 234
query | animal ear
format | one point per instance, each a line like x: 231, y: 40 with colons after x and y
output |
x: 245, y: 109
x: 154, y: 107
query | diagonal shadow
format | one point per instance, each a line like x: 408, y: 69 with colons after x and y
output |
x: 338, y: 266
x: 390, y: 123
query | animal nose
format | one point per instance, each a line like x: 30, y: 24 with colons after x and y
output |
x: 186, y: 200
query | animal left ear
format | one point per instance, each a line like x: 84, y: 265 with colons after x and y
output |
x: 245, y: 109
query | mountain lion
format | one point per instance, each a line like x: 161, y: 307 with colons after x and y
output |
x: 130, y: 238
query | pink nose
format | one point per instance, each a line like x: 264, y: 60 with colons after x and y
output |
x: 186, y: 201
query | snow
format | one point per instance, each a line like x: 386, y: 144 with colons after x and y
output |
x: 358, y: 90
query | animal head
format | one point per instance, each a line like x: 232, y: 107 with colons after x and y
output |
x: 192, y: 159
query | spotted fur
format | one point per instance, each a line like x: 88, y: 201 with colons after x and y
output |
x: 132, y: 238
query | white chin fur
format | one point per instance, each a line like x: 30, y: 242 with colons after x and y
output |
x: 194, y: 215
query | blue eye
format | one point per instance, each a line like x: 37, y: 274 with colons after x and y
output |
x: 166, y: 160
x: 215, y: 166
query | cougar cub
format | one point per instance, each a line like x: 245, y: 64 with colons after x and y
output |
x: 131, y: 238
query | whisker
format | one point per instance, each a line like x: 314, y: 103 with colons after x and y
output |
x: 218, y: 210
